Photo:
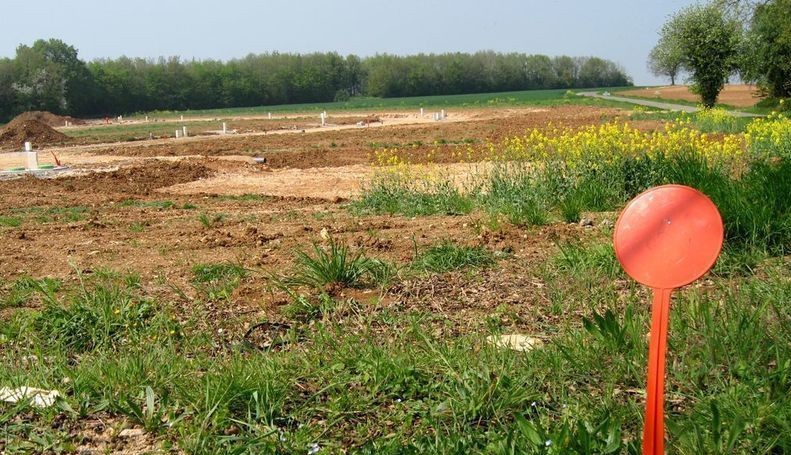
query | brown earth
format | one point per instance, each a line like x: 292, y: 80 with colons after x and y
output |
x: 418, y: 142
x: 22, y: 129
x: 158, y: 208
x: 48, y: 118
x: 733, y: 95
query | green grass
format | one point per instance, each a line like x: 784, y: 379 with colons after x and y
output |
x: 700, y: 120
x: 755, y: 207
x: 336, y: 265
x: 379, y: 382
x: 579, y: 259
x: 500, y: 99
x: 208, y: 221
x: 23, y: 289
x: 139, y: 131
x: 10, y: 221
x: 393, y: 196
x: 241, y: 197
x: 162, y: 205
x: 52, y: 214
x: 217, y: 281
x: 447, y: 256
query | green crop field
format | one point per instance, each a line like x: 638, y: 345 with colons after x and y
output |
x: 502, y: 99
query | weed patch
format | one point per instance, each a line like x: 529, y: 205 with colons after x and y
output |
x: 217, y: 281
x: 447, y: 256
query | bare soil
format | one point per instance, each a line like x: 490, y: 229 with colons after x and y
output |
x: 48, y: 118
x: 733, y: 95
x: 160, y: 207
x: 25, y: 129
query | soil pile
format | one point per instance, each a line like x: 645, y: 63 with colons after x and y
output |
x: 50, y: 119
x: 20, y: 130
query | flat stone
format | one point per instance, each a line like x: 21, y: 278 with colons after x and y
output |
x: 131, y: 433
x: 38, y: 397
x: 516, y: 342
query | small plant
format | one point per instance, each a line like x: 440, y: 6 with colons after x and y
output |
x: 208, y: 221
x: 152, y: 415
x: 217, y: 281
x: 247, y: 197
x: 448, y: 256
x: 306, y: 308
x: 335, y: 265
x: 102, y: 315
x: 607, y: 328
x: 162, y: 205
x: 582, y: 259
x: 382, y: 273
x: 10, y: 221
x: 24, y: 288
x: 137, y: 227
x: 52, y: 214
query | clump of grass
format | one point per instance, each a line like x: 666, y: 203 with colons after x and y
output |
x: 101, y: 315
x: 53, y: 214
x: 24, y: 288
x: 391, y: 197
x: 208, y: 221
x: 448, y: 256
x: 247, y: 197
x: 161, y: 205
x: 335, y: 265
x: 10, y: 221
x: 580, y: 259
x: 217, y: 281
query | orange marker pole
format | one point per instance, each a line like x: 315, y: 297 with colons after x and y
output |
x: 654, y: 435
x: 654, y: 238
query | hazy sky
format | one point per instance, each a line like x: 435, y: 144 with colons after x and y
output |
x: 621, y: 30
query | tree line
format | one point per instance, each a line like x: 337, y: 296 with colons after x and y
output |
x: 49, y: 75
x: 712, y: 42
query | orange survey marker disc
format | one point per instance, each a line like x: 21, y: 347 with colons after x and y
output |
x: 666, y: 237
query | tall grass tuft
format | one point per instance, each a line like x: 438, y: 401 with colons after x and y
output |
x: 334, y: 265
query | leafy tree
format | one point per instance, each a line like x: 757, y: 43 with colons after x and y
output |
x: 49, y: 76
x: 665, y: 59
x: 8, y: 99
x: 768, y: 55
x: 708, y: 41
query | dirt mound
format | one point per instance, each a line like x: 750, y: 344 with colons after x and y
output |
x: 50, y: 119
x: 99, y: 187
x: 139, y: 179
x: 21, y: 130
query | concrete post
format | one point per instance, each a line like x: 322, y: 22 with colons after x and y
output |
x: 184, y: 130
x: 31, y: 157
